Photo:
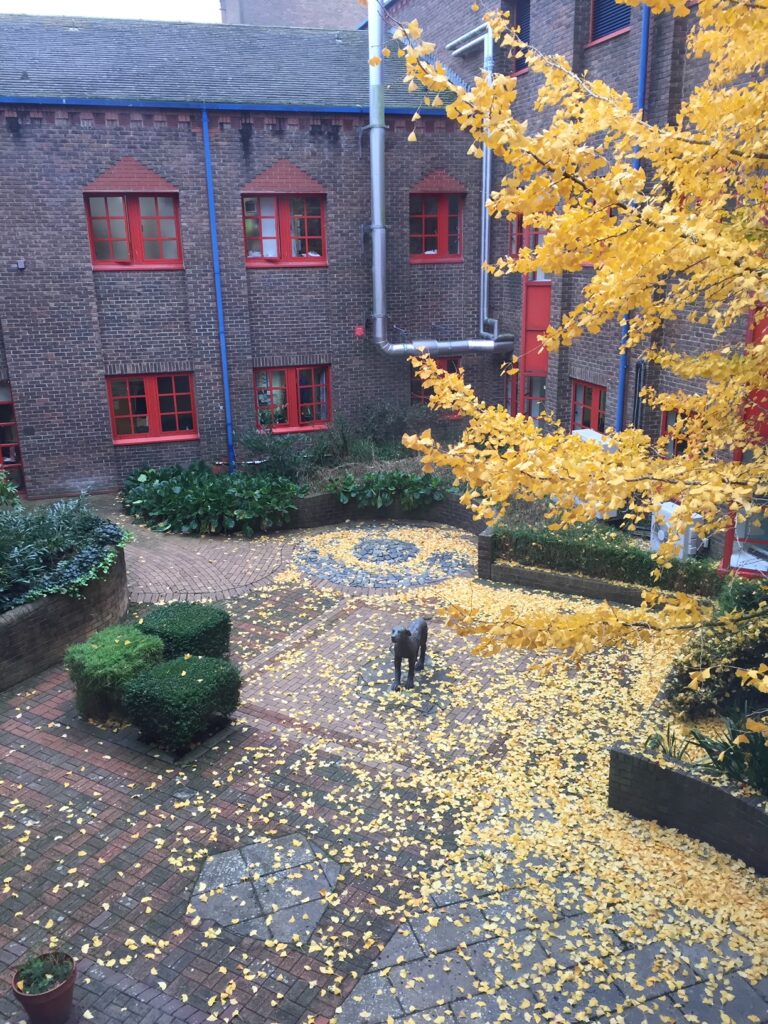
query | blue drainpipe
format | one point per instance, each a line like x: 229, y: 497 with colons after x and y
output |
x: 219, y: 296
x: 621, y: 392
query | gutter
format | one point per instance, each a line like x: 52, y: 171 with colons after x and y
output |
x: 621, y: 390
x: 486, y: 342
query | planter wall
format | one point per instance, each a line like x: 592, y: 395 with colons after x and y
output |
x: 718, y: 815
x: 546, y: 579
x: 326, y: 510
x: 35, y: 636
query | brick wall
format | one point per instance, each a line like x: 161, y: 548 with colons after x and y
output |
x: 35, y: 636
x: 66, y: 326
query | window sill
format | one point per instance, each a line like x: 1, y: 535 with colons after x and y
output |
x: 137, y: 266
x: 155, y: 440
x: 611, y: 35
x: 436, y: 259
x: 300, y: 430
x: 281, y: 264
x: 517, y: 74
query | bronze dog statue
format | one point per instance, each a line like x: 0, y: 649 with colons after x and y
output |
x: 410, y: 643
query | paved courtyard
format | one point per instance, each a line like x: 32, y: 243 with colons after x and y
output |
x: 347, y: 853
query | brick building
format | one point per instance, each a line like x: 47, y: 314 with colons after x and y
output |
x: 176, y: 194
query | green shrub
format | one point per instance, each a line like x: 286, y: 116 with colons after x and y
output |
x: 197, y: 500
x: 381, y: 489
x: 739, y: 751
x: 9, y: 494
x: 53, y: 549
x: 721, y: 649
x: 178, y: 703
x: 602, y: 552
x: 187, y: 628
x: 102, y: 666
x: 741, y: 594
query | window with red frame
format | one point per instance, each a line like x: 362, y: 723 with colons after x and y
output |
x: 284, y: 230
x: 516, y: 235
x: 152, y: 407
x: 588, y: 409
x: 293, y: 397
x: 672, y: 445
x: 419, y: 395
x: 534, y: 395
x: 435, y: 228
x: 10, y: 452
x: 608, y: 19
x: 133, y: 230
x: 520, y: 16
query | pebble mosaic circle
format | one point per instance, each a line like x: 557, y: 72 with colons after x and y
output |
x: 384, y: 556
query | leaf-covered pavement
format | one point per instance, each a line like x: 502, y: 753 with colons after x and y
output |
x: 481, y: 875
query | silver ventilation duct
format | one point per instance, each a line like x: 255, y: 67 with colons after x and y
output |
x: 487, y: 342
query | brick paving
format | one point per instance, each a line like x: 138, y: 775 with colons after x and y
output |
x: 102, y: 843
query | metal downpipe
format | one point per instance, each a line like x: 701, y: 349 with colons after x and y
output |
x: 377, y: 130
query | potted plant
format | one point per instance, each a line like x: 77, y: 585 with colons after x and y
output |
x: 44, y: 985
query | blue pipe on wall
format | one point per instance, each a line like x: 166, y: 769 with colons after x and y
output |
x: 245, y: 108
x: 219, y: 294
x: 621, y: 391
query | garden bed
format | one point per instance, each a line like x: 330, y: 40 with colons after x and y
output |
x: 35, y: 636
x: 502, y: 571
x: 662, y: 790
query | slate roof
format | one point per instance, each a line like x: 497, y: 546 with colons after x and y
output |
x: 105, y: 58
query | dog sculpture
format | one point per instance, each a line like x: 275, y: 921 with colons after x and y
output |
x: 410, y: 643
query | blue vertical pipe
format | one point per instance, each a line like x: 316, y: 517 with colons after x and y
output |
x: 645, y: 34
x: 219, y: 296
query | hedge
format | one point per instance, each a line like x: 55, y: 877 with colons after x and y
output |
x: 380, y: 489
x: 721, y: 649
x: 102, y: 666
x: 178, y: 703
x: 604, y: 553
x: 187, y: 628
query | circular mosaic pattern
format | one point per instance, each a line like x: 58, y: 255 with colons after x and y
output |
x: 385, y: 550
x: 385, y: 556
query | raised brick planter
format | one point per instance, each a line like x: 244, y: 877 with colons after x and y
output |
x: 35, y: 636
x: 326, y: 510
x: 546, y: 579
x: 718, y: 815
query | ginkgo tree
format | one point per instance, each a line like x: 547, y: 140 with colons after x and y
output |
x: 678, y: 235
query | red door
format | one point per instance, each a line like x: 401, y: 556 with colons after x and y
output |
x: 537, y: 310
x: 10, y: 452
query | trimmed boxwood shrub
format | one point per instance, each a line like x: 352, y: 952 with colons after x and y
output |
x: 189, y: 628
x: 178, y: 703
x: 603, y: 553
x: 101, y: 666
x: 722, y: 650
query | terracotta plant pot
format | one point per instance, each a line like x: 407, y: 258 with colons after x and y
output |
x: 53, y: 1006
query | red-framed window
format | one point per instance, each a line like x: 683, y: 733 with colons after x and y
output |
x: 534, y: 395
x: 134, y: 231
x: 10, y: 452
x: 608, y: 18
x: 588, y: 407
x: 516, y: 235
x: 419, y: 395
x: 293, y: 397
x: 152, y: 407
x: 520, y: 16
x: 671, y: 445
x: 284, y: 231
x: 436, y: 228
